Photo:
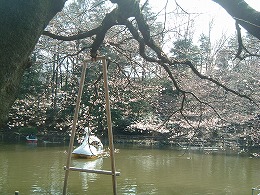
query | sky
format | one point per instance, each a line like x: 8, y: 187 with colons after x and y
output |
x: 223, y: 22
x: 204, y: 11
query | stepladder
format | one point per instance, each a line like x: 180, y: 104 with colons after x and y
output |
x: 68, y: 166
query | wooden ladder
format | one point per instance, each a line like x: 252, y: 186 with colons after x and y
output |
x: 68, y: 167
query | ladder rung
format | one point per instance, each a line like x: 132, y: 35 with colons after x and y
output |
x: 105, y: 172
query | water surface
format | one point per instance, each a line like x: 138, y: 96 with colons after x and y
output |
x: 37, y: 170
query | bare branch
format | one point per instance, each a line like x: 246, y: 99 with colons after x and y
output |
x: 245, y: 15
x: 73, y: 37
x: 216, y: 82
x: 144, y: 38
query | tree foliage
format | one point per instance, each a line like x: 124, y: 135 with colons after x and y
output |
x: 197, y: 86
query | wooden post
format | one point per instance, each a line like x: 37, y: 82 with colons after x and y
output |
x: 75, y: 119
x: 109, y: 124
x: 105, y: 172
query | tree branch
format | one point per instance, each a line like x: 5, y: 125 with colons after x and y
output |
x: 245, y: 15
x: 131, y: 8
x: 73, y: 37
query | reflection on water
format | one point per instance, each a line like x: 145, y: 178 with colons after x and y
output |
x: 34, y: 170
x: 87, y: 164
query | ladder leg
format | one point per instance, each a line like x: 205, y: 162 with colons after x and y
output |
x: 109, y: 124
x: 75, y: 119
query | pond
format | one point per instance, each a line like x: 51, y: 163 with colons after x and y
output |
x: 38, y: 170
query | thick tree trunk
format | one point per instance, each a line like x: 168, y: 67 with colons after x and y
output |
x: 246, y: 16
x: 22, y: 23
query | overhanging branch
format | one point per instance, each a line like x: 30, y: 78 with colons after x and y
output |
x: 245, y: 15
x: 120, y: 15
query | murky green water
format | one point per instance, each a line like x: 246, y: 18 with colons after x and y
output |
x: 34, y: 170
